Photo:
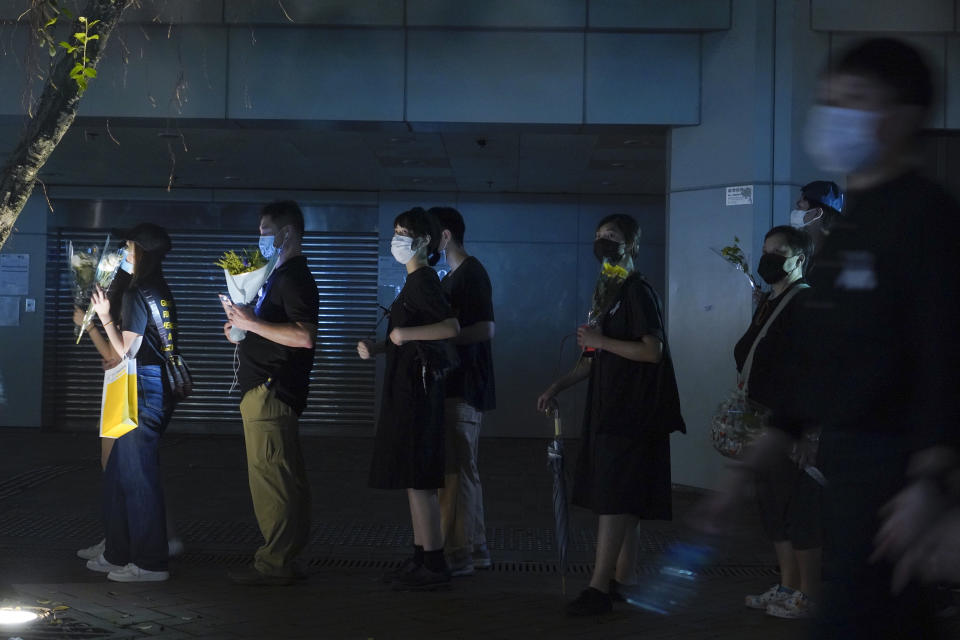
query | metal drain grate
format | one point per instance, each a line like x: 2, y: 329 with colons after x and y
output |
x: 203, y: 534
x: 28, y: 479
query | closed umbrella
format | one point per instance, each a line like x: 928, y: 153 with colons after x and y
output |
x: 555, y: 462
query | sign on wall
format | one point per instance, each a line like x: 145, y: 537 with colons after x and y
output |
x: 742, y: 194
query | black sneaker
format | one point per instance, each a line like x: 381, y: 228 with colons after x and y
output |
x: 590, y: 602
x: 408, y: 565
x: 422, y: 579
x: 616, y: 591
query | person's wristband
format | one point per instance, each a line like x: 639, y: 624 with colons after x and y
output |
x: 107, y: 324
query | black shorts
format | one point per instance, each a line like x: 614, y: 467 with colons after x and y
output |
x: 790, y: 505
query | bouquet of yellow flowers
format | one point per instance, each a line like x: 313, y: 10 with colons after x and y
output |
x: 734, y: 256
x: 605, y: 293
x: 245, y: 273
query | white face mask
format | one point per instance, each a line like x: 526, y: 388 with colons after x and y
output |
x: 842, y: 140
x: 402, y: 249
x: 798, y: 217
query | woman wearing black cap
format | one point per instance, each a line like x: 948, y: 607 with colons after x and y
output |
x: 134, y: 512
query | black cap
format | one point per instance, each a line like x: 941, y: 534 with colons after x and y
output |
x: 151, y: 237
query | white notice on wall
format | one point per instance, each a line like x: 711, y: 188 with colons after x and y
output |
x: 14, y: 274
x: 742, y: 194
x: 9, y: 311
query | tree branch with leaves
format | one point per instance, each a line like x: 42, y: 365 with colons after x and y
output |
x: 56, y: 109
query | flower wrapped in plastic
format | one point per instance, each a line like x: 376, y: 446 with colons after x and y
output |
x: 106, y: 271
x: 734, y: 256
x: 245, y: 273
x: 82, y: 260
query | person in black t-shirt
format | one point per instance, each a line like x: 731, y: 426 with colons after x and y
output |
x: 787, y: 497
x: 408, y: 450
x: 877, y: 357
x: 136, y: 547
x: 275, y: 362
x: 470, y: 393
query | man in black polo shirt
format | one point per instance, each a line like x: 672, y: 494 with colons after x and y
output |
x: 275, y: 361
x: 470, y: 392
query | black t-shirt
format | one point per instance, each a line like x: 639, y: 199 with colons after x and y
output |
x: 471, y: 295
x: 138, y: 318
x: 289, y: 295
x: 772, y: 370
x: 879, y: 350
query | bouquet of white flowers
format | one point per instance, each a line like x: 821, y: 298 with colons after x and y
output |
x: 91, y: 266
x: 245, y: 274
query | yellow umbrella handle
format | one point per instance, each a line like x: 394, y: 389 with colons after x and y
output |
x: 553, y: 409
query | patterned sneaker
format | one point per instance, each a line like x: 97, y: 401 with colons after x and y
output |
x: 797, y: 606
x: 133, y: 573
x: 100, y: 565
x: 776, y: 593
x: 89, y: 553
x: 481, y: 557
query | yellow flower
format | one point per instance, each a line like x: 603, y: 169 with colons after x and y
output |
x: 614, y: 271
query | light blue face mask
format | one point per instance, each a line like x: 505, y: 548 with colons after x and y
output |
x: 125, y: 264
x: 266, y: 246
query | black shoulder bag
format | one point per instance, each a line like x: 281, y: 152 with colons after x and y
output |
x: 175, y: 369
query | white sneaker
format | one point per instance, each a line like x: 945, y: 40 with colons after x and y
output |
x: 101, y: 565
x: 133, y: 573
x: 89, y: 553
x: 797, y: 606
x: 174, y: 547
x: 774, y: 594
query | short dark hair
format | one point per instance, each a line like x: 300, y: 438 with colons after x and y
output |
x: 799, y: 241
x: 283, y: 213
x: 451, y: 220
x: 893, y: 63
x: 421, y: 223
x: 628, y: 226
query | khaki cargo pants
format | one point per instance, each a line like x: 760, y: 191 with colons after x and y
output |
x: 278, y: 480
x: 461, y: 499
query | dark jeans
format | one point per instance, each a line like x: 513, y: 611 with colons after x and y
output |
x: 134, y: 513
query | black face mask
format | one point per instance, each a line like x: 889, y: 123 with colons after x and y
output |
x: 606, y: 248
x: 771, y: 268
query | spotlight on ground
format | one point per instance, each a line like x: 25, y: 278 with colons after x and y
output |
x: 11, y: 617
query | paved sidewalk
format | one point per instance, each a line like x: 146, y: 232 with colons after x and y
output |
x: 49, y: 496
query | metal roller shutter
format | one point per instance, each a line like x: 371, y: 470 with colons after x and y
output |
x: 341, y: 386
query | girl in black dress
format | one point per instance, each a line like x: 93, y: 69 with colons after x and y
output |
x: 409, y: 445
x: 623, y: 472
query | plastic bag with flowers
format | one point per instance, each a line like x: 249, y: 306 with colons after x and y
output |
x: 89, y: 266
x: 245, y: 273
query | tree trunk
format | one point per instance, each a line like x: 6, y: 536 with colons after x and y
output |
x: 55, y: 112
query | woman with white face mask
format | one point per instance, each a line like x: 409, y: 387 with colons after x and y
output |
x: 409, y: 447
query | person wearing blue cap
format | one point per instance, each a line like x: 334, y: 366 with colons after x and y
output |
x: 819, y: 207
